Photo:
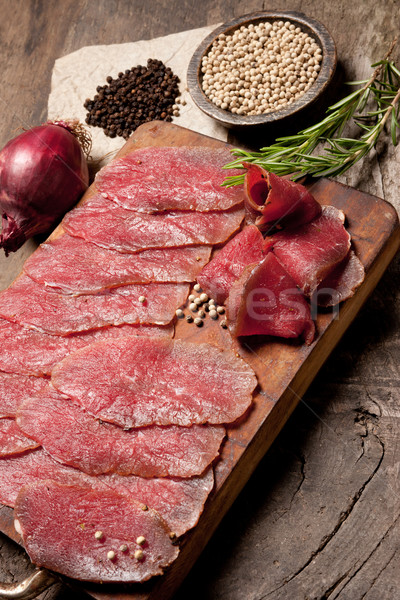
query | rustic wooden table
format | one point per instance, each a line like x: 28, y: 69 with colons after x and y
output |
x: 319, y: 517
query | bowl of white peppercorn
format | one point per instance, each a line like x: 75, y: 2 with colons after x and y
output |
x: 261, y: 68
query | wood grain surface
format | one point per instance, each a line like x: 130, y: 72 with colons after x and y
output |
x: 319, y: 518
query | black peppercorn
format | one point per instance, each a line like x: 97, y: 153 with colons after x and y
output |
x: 137, y: 96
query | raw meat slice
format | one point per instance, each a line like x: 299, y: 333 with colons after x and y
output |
x: 244, y: 249
x: 179, y: 501
x: 37, y: 465
x: 170, y: 178
x: 108, y: 225
x: 341, y: 283
x: 58, y: 525
x: 12, y: 439
x: 266, y: 301
x: 273, y: 201
x: 310, y: 252
x: 73, y: 266
x: 29, y: 352
x: 60, y: 314
x: 150, y: 381
x: 14, y: 389
x: 75, y: 438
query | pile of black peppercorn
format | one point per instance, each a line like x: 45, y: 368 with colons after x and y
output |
x: 138, y: 95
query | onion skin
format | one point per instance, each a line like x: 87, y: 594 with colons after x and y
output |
x: 43, y: 173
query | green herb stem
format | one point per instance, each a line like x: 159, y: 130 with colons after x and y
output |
x: 293, y: 155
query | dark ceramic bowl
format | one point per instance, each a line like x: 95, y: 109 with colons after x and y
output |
x: 327, y: 69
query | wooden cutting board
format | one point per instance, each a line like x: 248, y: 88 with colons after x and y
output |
x: 284, y: 369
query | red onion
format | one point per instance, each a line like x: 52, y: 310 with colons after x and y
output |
x: 43, y: 173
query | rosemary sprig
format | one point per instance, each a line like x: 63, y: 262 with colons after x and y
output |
x: 293, y: 155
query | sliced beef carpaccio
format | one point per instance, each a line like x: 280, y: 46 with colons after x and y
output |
x: 341, y: 283
x: 75, y: 438
x: 15, y: 388
x: 273, y: 201
x: 61, y: 314
x: 58, y: 524
x: 73, y: 266
x: 30, y: 352
x: 108, y: 225
x: 265, y: 300
x: 217, y: 277
x: 310, y: 252
x: 37, y: 465
x: 157, y: 179
x: 135, y: 383
x: 179, y: 501
x: 13, y: 440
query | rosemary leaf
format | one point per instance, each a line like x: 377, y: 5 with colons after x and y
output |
x: 369, y: 107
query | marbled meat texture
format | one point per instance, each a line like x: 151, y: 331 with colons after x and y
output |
x: 217, y: 277
x: 15, y: 388
x: 108, y: 225
x: 58, y: 525
x: 310, y: 252
x: 341, y: 283
x: 30, y: 352
x: 73, y: 266
x: 19, y: 470
x: 265, y: 300
x: 150, y: 381
x: 179, y: 501
x: 61, y: 314
x: 75, y: 438
x: 157, y: 179
x: 13, y: 440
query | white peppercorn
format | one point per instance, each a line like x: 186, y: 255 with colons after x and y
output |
x: 260, y: 67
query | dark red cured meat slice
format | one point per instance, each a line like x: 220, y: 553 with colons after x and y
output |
x: 75, y: 438
x: 274, y: 201
x: 13, y: 440
x: 179, y: 501
x: 61, y: 314
x: 341, y: 283
x: 310, y: 252
x: 244, y: 249
x: 266, y: 301
x: 73, y: 266
x: 29, y: 352
x: 157, y: 382
x: 58, y: 525
x: 170, y: 178
x: 108, y: 225
x: 14, y: 389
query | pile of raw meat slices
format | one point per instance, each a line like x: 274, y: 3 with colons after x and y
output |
x: 109, y: 426
x: 274, y: 284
